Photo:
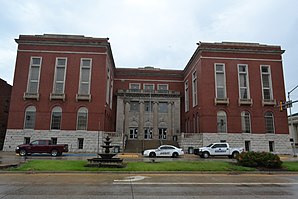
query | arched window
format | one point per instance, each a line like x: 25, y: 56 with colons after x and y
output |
x: 245, y: 122
x: 82, y: 119
x: 221, y: 122
x: 29, y: 120
x: 269, y: 122
x: 56, y: 118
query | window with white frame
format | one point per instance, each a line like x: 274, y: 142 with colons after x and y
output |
x: 245, y: 122
x: 269, y: 122
x: 221, y: 122
x: 134, y: 87
x: 243, y: 81
x: 60, y: 72
x: 108, y: 85
x: 56, y: 118
x: 162, y: 133
x: 266, y: 83
x: 194, y: 89
x: 85, y: 76
x: 162, y: 88
x: 133, y: 133
x: 82, y: 119
x: 149, y: 87
x: 34, y: 75
x: 186, y: 91
x: 111, y: 93
x: 220, y: 81
x: 30, y: 113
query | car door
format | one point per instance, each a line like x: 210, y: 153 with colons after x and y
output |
x: 219, y: 149
x: 164, y: 151
x: 33, y: 147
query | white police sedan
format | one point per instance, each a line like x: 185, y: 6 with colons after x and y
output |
x: 164, y: 151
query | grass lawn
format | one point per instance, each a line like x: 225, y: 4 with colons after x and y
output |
x: 290, y: 166
x: 70, y: 165
x: 79, y: 165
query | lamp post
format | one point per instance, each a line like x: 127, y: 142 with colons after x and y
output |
x: 291, y: 121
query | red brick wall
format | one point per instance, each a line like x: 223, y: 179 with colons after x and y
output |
x: 96, y: 108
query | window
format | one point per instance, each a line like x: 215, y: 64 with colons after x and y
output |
x: 85, y: 76
x: 111, y: 93
x: 56, y: 118
x: 33, y: 79
x: 243, y: 82
x: 108, y: 85
x: 220, y: 81
x: 60, y: 72
x: 162, y: 133
x: 245, y: 122
x: 34, y: 75
x: 247, y: 145
x: 149, y: 87
x: 26, y: 140
x: 134, y: 106
x: 80, y: 143
x: 148, y: 106
x: 162, y: 107
x: 266, y: 83
x: 30, y: 117
x: 133, y: 133
x: 148, y: 133
x: 163, y: 88
x: 269, y: 122
x: 271, y: 146
x: 134, y: 87
x: 221, y: 122
x: 54, y: 141
x: 82, y: 118
x: 186, y: 96
x: 194, y: 89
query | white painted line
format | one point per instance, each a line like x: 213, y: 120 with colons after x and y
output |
x: 131, y: 179
x: 202, y: 183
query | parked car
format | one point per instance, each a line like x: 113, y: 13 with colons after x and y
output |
x: 218, y: 149
x: 164, y: 151
x: 42, y: 146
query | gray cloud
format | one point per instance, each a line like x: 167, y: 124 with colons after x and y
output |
x: 161, y: 33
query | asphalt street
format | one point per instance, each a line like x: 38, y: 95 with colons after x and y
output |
x: 147, y: 186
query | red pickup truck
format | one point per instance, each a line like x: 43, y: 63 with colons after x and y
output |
x: 42, y: 146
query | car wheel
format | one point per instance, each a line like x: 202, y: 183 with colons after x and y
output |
x: 235, y: 154
x: 23, y: 152
x: 175, y: 155
x: 206, y: 155
x: 152, y: 155
x: 54, y: 153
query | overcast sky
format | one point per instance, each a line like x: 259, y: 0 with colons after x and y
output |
x: 159, y: 33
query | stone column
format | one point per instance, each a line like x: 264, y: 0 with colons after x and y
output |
x: 155, y: 120
x: 126, y: 117
x: 141, y: 121
x: 170, y: 122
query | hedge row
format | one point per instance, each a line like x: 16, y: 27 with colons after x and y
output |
x: 259, y: 159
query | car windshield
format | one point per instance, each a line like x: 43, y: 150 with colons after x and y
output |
x: 209, y: 145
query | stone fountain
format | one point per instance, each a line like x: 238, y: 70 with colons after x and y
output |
x: 106, y: 159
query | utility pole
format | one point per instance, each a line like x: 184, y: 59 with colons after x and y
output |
x: 291, y: 121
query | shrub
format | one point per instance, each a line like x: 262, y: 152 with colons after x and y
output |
x: 259, y: 159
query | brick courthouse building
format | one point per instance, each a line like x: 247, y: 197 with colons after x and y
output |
x: 68, y: 89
